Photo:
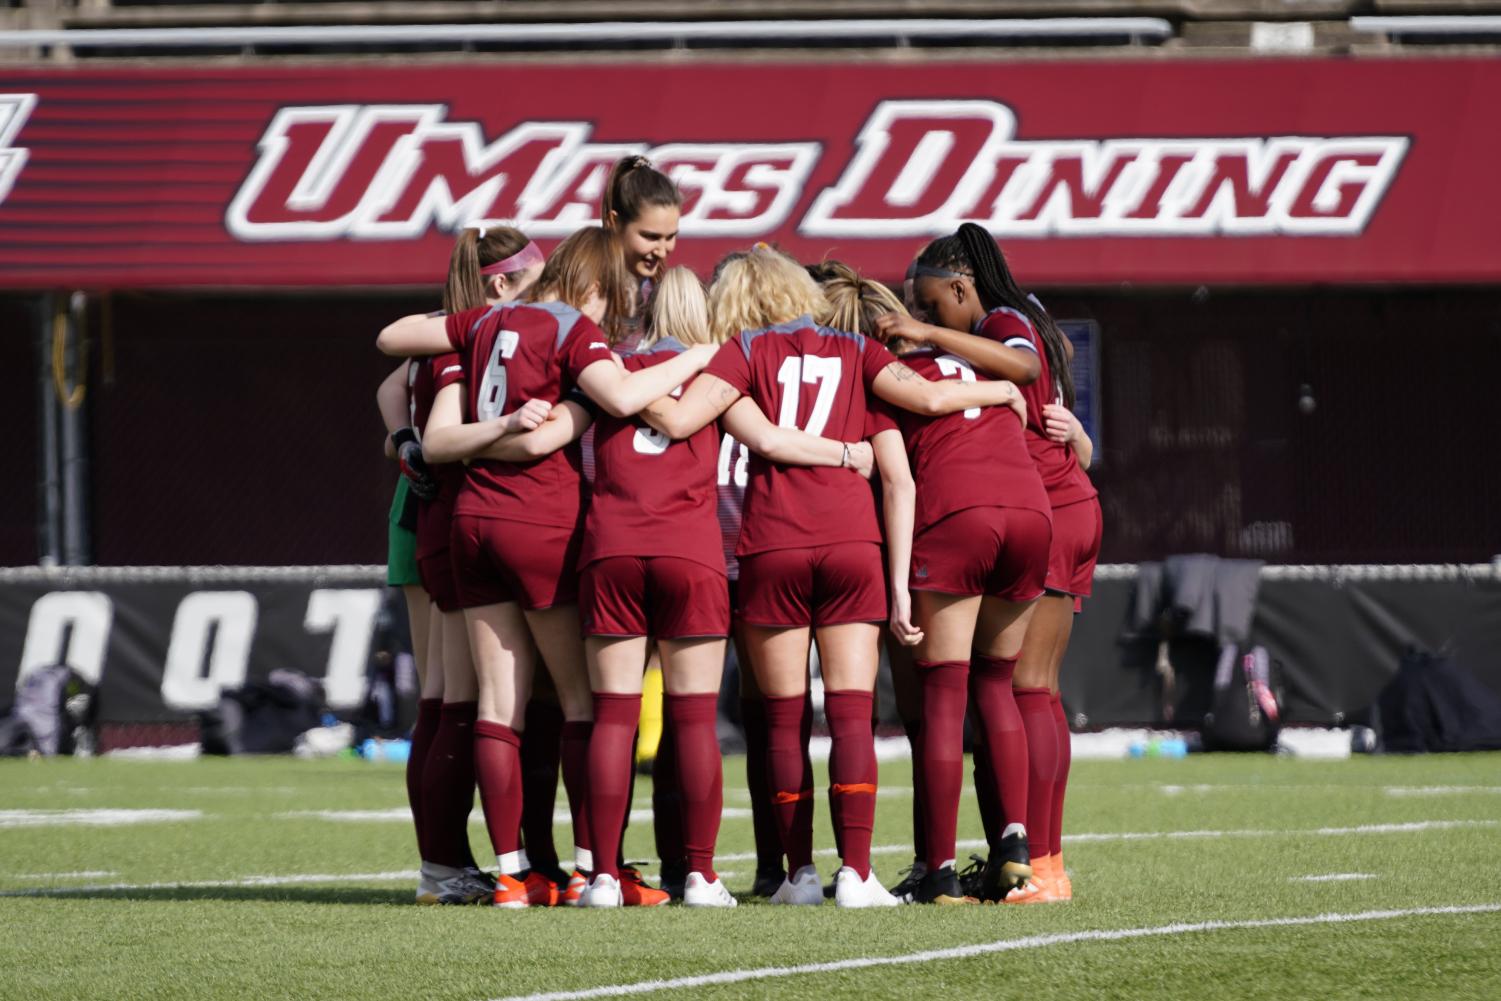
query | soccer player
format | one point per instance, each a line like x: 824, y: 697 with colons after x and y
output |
x: 979, y: 556
x: 494, y: 266
x: 978, y: 312
x: 653, y: 571
x: 517, y: 525
x: 810, y: 545
x: 734, y: 460
x: 401, y: 571
x: 642, y: 206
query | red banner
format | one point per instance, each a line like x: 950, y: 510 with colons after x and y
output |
x: 1152, y: 171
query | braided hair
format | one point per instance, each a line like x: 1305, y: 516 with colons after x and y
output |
x: 974, y: 252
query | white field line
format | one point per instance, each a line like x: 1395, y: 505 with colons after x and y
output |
x: 1168, y: 789
x: 233, y: 790
x: 299, y: 879
x: 1402, y: 828
x: 1443, y: 790
x: 1205, y: 788
x: 1333, y: 877
x: 991, y: 948
x: 404, y: 815
x: 85, y: 874
x: 395, y: 813
x: 1106, y: 837
x: 93, y: 818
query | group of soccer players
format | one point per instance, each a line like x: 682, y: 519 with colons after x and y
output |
x: 605, y: 462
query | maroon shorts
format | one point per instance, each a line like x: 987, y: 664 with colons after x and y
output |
x: 498, y: 560
x: 999, y: 551
x: 818, y: 586
x: 439, y: 580
x: 663, y: 597
x: 1077, y: 529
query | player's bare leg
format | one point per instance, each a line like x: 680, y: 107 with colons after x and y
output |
x: 417, y: 603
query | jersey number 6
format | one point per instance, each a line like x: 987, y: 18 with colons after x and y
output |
x: 492, y: 388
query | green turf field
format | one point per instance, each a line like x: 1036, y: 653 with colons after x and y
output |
x: 250, y: 892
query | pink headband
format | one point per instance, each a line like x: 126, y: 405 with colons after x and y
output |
x: 522, y: 259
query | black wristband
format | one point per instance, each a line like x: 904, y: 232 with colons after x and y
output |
x: 401, y: 436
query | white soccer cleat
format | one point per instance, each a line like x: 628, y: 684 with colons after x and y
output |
x: 603, y: 891
x: 852, y: 891
x: 440, y: 884
x: 699, y: 892
x: 802, y: 888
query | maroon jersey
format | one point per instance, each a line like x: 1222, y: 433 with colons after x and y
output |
x: 734, y: 457
x: 1056, y: 463
x: 814, y: 378
x: 652, y: 496
x: 515, y: 353
x: 425, y: 376
x: 974, y: 458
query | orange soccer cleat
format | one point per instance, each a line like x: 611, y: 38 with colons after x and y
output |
x: 1061, y: 883
x: 532, y: 890
x: 570, y: 893
x: 635, y: 893
x: 1040, y: 889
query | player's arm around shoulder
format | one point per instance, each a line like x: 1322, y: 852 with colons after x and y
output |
x: 415, y: 335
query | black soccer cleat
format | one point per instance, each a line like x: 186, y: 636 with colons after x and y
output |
x: 769, y: 880
x: 672, y: 877
x: 941, y: 886
x: 972, y: 877
x: 1008, y: 867
x: 911, y: 876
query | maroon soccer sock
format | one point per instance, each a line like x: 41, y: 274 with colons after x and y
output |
x: 1036, y: 707
x: 789, y: 774
x: 574, y: 751
x: 912, y: 726
x: 541, y: 750
x: 666, y: 791
x: 986, y: 798
x: 448, y: 771
x: 852, y: 774
x: 422, y: 742
x: 1005, y: 759
x: 699, y: 777
x: 611, y: 774
x: 497, y: 763
x: 944, y: 692
x: 763, y: 820
x: 1060, y: 780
